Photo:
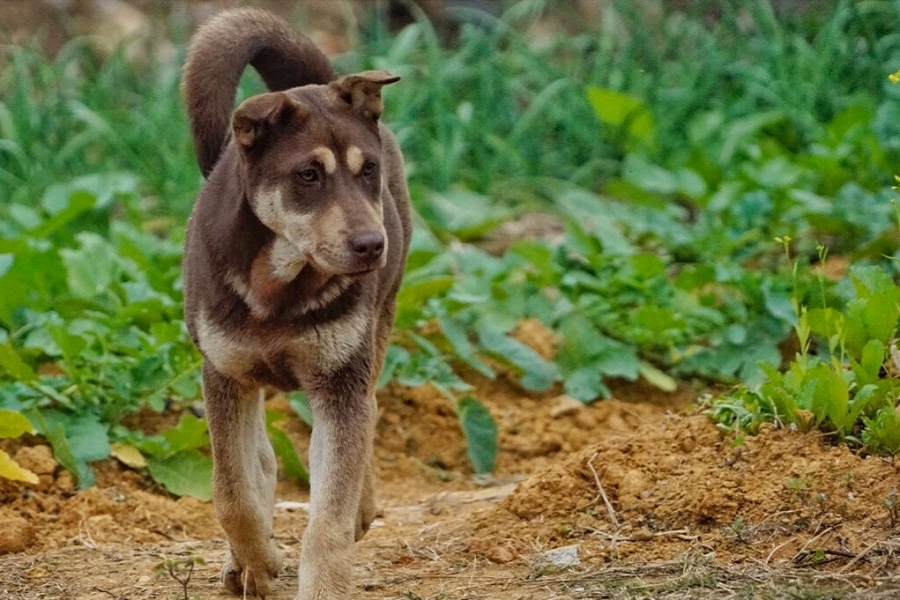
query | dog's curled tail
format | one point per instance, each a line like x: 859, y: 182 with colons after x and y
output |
x: 221, y: 50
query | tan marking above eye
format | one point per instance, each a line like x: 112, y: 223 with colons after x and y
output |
x: 326, y: 157
x: 354, y: 159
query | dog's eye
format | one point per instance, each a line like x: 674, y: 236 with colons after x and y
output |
x: 369, y: 169
x: 308, y: 175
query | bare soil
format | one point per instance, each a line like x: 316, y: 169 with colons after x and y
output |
x: 688, y: 512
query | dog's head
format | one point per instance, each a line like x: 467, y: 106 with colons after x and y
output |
x: 313, y: 171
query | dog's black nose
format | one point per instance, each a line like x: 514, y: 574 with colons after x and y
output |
x: 367, y: 245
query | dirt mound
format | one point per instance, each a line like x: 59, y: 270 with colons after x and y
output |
x: 123, y: 507
x: 681, y: 486
x: 688, y: 510
x: 420, y: 451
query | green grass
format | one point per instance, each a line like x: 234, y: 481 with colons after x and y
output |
x: 672, y: 149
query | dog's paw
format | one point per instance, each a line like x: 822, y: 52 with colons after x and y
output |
x: 256, y: 580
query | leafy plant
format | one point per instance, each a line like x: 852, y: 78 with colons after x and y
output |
x: 12, y: 425
x: 849, y: 385
x: 181, y: 570
x: 662, y: 164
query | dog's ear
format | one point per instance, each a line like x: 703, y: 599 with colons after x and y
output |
x: 255, y: 117
x: 362, y: 91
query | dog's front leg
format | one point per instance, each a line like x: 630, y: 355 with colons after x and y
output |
x: 243, y: 482
x: 339, y: 457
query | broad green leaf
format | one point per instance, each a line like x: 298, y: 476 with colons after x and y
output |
x: 10, y: 469
x: 831, y: 396
x: 291, y: 464
x: 586, y: 384
x: 463, y: 213
x: 535, y: 373
x: 102, y: 188
x: 481, y: 433
x: 13, y: 424
x: 657, y: 378
x: 648, y: 175
x: 92, y: 268
x: 128, y: 455
x: 588, y: 214
x: 64, y: 455
x: 865, y: 396
x: 740, y: 133
x: 187, y: 473
x: 779, y: 304
x: 882, y: 432
x: 300, y: 404
x: 868, y: 368
x: 189, y: 434
x: 79, y: 203
x: 89, y: 437
x: 618, y: 109
x: 413, y: 296
x: 70, y: 344
x: 13, y: 364
x: 463, y: 349
x: 76, y: 439
x: 6, y: 261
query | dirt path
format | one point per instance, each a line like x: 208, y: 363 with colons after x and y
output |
x: 687, y: 513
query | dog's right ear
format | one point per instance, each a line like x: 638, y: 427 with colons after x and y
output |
x: 362, y: 91
x: 255, y: 117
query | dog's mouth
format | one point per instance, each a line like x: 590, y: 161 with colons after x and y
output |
x: 364, y: 271
x: 353, y: 271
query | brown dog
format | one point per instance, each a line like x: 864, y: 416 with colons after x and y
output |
x: 294, y: 254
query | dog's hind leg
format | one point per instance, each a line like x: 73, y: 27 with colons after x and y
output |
x: 243, y: 482
x: 339, y: 455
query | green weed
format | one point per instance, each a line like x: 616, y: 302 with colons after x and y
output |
x: 671, y: 155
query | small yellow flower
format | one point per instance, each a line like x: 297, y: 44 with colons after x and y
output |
x: 894, y: 77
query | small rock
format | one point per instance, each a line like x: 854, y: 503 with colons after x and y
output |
x: 565, y: 405
x: 558, y: 558
x: 500, y: 555
x: 16, y: 534
x: 37, y: 459
x: 642, y: 535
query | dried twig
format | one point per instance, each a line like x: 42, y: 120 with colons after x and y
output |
x: 857, y: 558
x: 802, y: 550
x: 609, y: 507
x: 111, y: 595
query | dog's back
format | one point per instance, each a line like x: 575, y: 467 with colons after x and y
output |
x: 294, y: 255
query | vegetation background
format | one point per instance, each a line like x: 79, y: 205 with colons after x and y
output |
x: 691, y: 191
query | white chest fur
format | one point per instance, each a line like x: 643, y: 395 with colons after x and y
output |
x: 320, y: 349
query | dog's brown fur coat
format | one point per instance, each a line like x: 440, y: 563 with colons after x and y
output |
x: 294, y: 255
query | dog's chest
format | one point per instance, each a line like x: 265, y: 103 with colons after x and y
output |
x: 286, y: 358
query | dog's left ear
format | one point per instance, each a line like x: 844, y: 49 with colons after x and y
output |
x: 257, y: 116
x: 362, y: 91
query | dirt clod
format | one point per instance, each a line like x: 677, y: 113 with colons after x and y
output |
x: 501, y: 555
x: 37, y: 459
x: 16, y: 535
x: 565, y: 405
